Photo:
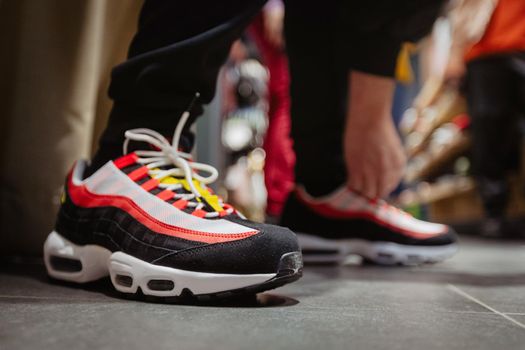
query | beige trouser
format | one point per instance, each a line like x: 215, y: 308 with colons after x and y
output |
x: 54, y: 73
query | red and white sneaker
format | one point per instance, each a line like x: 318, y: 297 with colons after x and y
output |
x: 342, y: 223
x: 148, y: 221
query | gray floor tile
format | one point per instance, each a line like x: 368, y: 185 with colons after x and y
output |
x: 361, y: 307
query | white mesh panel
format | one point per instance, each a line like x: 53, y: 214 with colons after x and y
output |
x: 400, y: 220
x: 109, y: 180
x: 345, y: 200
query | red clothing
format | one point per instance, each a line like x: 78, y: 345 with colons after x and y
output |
x: 278, y: 145
x: 505, y: 31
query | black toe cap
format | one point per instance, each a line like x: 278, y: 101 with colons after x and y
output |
x: 260, y: 253
x: 449, y: 237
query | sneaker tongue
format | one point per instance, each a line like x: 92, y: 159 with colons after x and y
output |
x: 186, y: 142
x: 210, y: 200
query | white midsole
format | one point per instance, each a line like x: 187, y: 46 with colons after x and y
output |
x: 94, y: 259
x: 380, y: 252
x: 98, y: 262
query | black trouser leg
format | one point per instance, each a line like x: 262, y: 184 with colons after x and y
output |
x: 324, y: 42
x: 317, y: 89
x: 177, y: 51
x: 495, y: 92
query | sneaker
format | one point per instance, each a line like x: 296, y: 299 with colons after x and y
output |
x: 149, y: 221
x: 332, y: 227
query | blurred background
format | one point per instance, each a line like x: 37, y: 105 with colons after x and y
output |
x: 55, y: 67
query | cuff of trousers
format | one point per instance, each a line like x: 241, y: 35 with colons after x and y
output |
x: 374, y: 55
x: 124, y: 117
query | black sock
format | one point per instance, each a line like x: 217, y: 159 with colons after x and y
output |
x: 105, y: 153
x: 111, y: 147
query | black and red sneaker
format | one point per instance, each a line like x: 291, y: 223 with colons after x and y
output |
x: 330, y: 228
x: 149, y: 221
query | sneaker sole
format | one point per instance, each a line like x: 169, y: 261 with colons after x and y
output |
x: 67, y: 261
x: 325, y: 251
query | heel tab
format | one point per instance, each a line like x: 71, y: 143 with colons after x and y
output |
x: 76, y: 174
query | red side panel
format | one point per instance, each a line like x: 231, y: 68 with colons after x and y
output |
x: 330, y: 212
x: 82, y: 197
x: 126, y: 160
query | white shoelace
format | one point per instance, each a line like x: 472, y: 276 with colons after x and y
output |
x: 169, y: 155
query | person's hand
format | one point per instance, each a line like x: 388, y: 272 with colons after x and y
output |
x: 374, y: 156
x: 238, y: 51
x: 273, y: 19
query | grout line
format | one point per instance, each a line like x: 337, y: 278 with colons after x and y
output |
x: 464, y: 294
x: 514, y: 313
x: 36, y: 297
x: 29, y: 297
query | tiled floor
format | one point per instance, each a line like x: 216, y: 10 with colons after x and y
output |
x: 474, y: 301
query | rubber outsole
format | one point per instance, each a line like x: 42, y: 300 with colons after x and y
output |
x: 135, y: 278
x: 188, y: 297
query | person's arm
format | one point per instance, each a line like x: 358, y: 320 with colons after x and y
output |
x: 468, y: 22
x: 469, y: 19
x: 273, y: 21
x: 374, y: 155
